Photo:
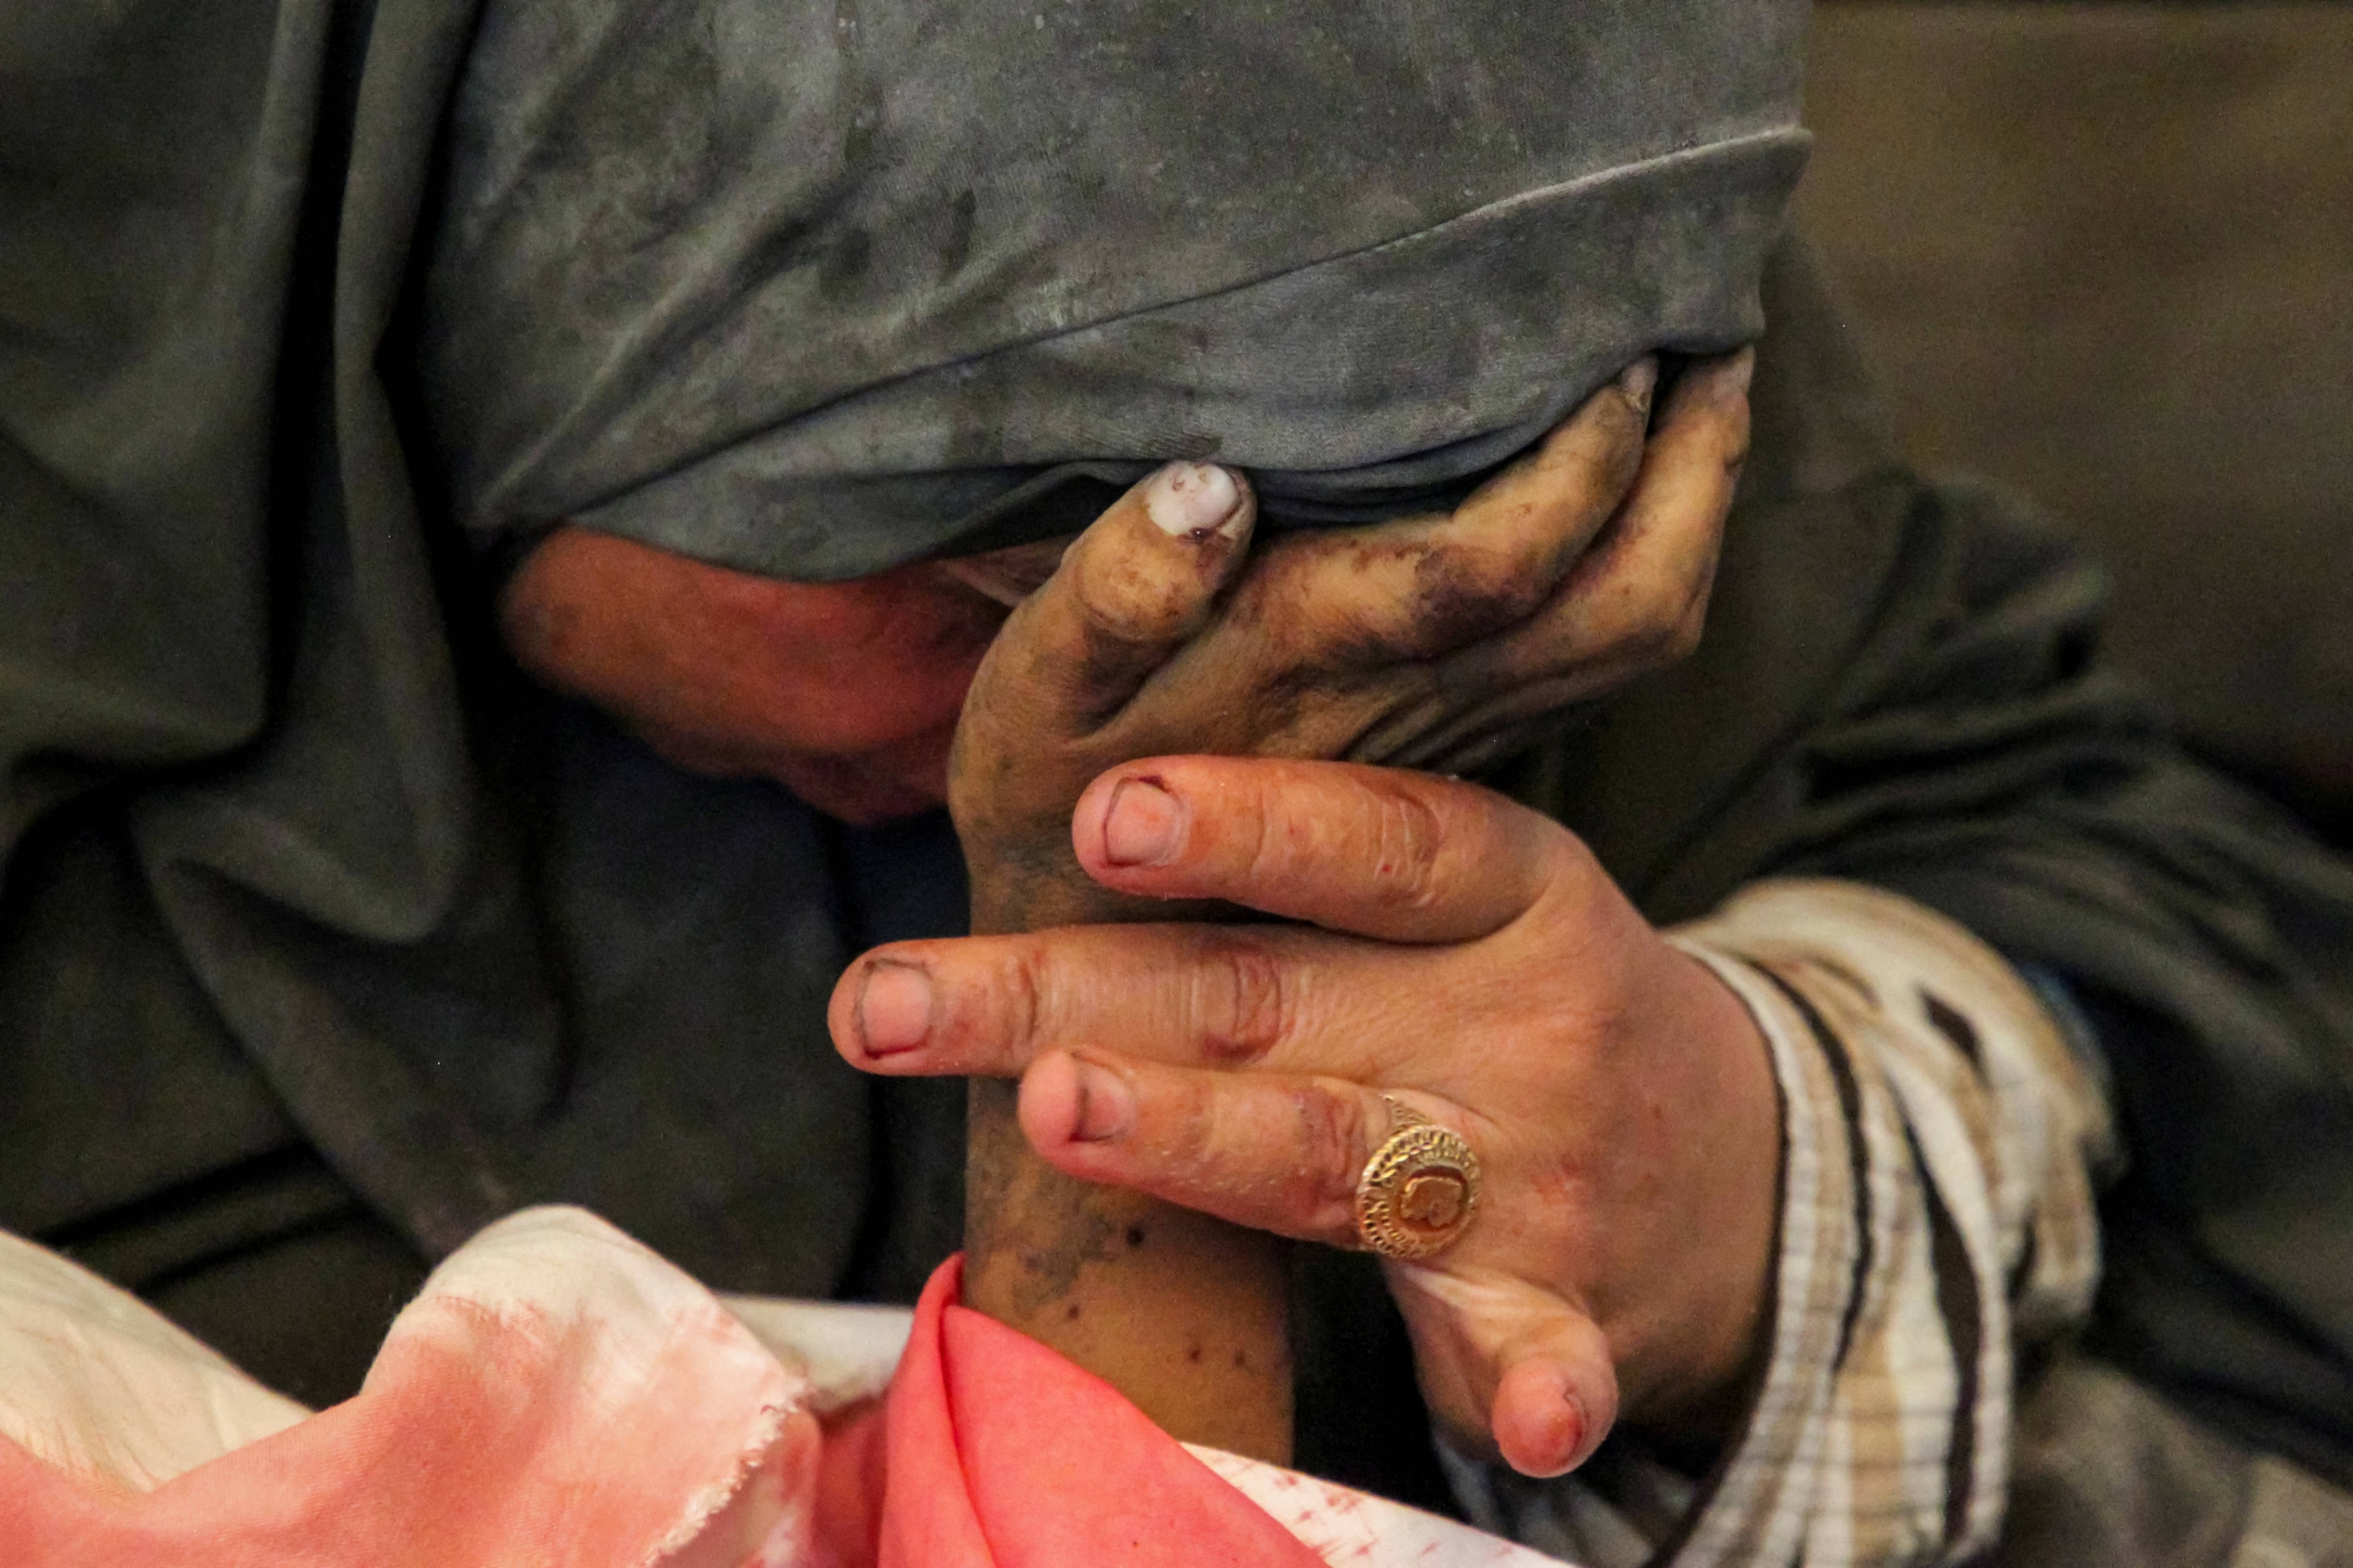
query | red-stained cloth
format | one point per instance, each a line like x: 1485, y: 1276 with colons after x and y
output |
x: 560, y: 1396
x: 1004, y: 1455
x: 557, y: 1395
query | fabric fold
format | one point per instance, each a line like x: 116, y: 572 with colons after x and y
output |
x: 560, y: 1394
x: 557, y: 1394
x: 1003, y: 1453
x: 812, y: 289
x: 1387, y: 380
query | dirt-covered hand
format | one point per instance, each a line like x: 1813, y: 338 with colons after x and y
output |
x: 1430, y: 642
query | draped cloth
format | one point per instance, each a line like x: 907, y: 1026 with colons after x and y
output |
x: 812, y: 288
x: 560, y: 1394
x: 324, y: 942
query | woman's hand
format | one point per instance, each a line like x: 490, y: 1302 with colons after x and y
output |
x: 1431, y: 642
x: 1464, y: 955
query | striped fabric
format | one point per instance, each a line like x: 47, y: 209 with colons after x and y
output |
x: 1937, y: 1211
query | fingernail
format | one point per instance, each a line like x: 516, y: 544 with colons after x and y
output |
x: 1732, y: 377
x: 1144, y: 824
x: 894, y: 1008
x: 1106, y: 1105
x: 1189, y: 499
x: 1637, y: 381
x: 1573, y: 1430
x: 1558, y: 1434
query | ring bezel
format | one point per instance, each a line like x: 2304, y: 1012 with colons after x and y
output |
x: 1417, y: 1152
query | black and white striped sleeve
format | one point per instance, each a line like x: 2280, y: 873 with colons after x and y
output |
x: 1936, y: 1212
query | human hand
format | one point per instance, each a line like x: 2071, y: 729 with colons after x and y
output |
x: 1429, y: 642
x: 1464, y: 955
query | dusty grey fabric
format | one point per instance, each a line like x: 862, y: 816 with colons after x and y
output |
x: 2110, y: 1475
x: 302, y: 880
x: 814, y: 288
x: 290, y: 877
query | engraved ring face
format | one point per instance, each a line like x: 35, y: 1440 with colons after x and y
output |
x: 1419, y: 1190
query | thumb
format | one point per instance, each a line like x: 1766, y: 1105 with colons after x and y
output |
x: 1511, y: 1366
x: 1130, y: 590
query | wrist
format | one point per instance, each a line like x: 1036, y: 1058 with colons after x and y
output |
x: 1710, y: 1328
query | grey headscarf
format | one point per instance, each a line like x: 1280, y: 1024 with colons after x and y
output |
x: 816, y: 288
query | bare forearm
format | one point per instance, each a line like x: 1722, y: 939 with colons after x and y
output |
x: 1184, y: 1313
x: 1181, y: 1312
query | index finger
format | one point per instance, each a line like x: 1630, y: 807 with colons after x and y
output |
x: 1375, y: 852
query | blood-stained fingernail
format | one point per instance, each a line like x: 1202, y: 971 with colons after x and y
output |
x: 1541, y: 1422
x: 1573, y: 1428
x: 1637, y: 380
x: 1144, y: 825
x: 1106, y: 1105
x: 894, y: 1008
x: 1190, y: 499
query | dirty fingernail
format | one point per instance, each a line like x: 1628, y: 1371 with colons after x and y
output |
x: 1144, y: 824
x: 1732, y: 377
x: 1189, y: 499
x: 1106, y: 1105
x: 894, y: 1009
x: 1637, y: 380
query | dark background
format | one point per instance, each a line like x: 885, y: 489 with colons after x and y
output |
x: 2102, y: 255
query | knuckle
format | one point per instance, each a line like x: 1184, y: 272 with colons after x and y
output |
x: 1262, y: 843
x: 1513, y: 576
x: 1192, y: 1145
x: 1124, y: 598
x: 1739, y: 425
x: 1661, y: 630
x: 1407, y: 842
x: 1334, y: 1146
x: 1735, y: 453
x: 1246, y: 1009
x: 1025, y: 1005
x: 1455, y: 606
x: 1621, y: 457
x: 1683, y: 640
x: 1690, y: 622
x: 1604, y: 459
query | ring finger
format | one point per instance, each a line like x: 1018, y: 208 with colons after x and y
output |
x: 1276, y: 1151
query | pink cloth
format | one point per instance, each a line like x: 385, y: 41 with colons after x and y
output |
x: 558, y: 1394
x: 1004, y: 1455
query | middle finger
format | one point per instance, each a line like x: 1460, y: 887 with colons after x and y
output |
x: 1268, y: 997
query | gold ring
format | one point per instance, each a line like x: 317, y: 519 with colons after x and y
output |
x: 1419, y: 1190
